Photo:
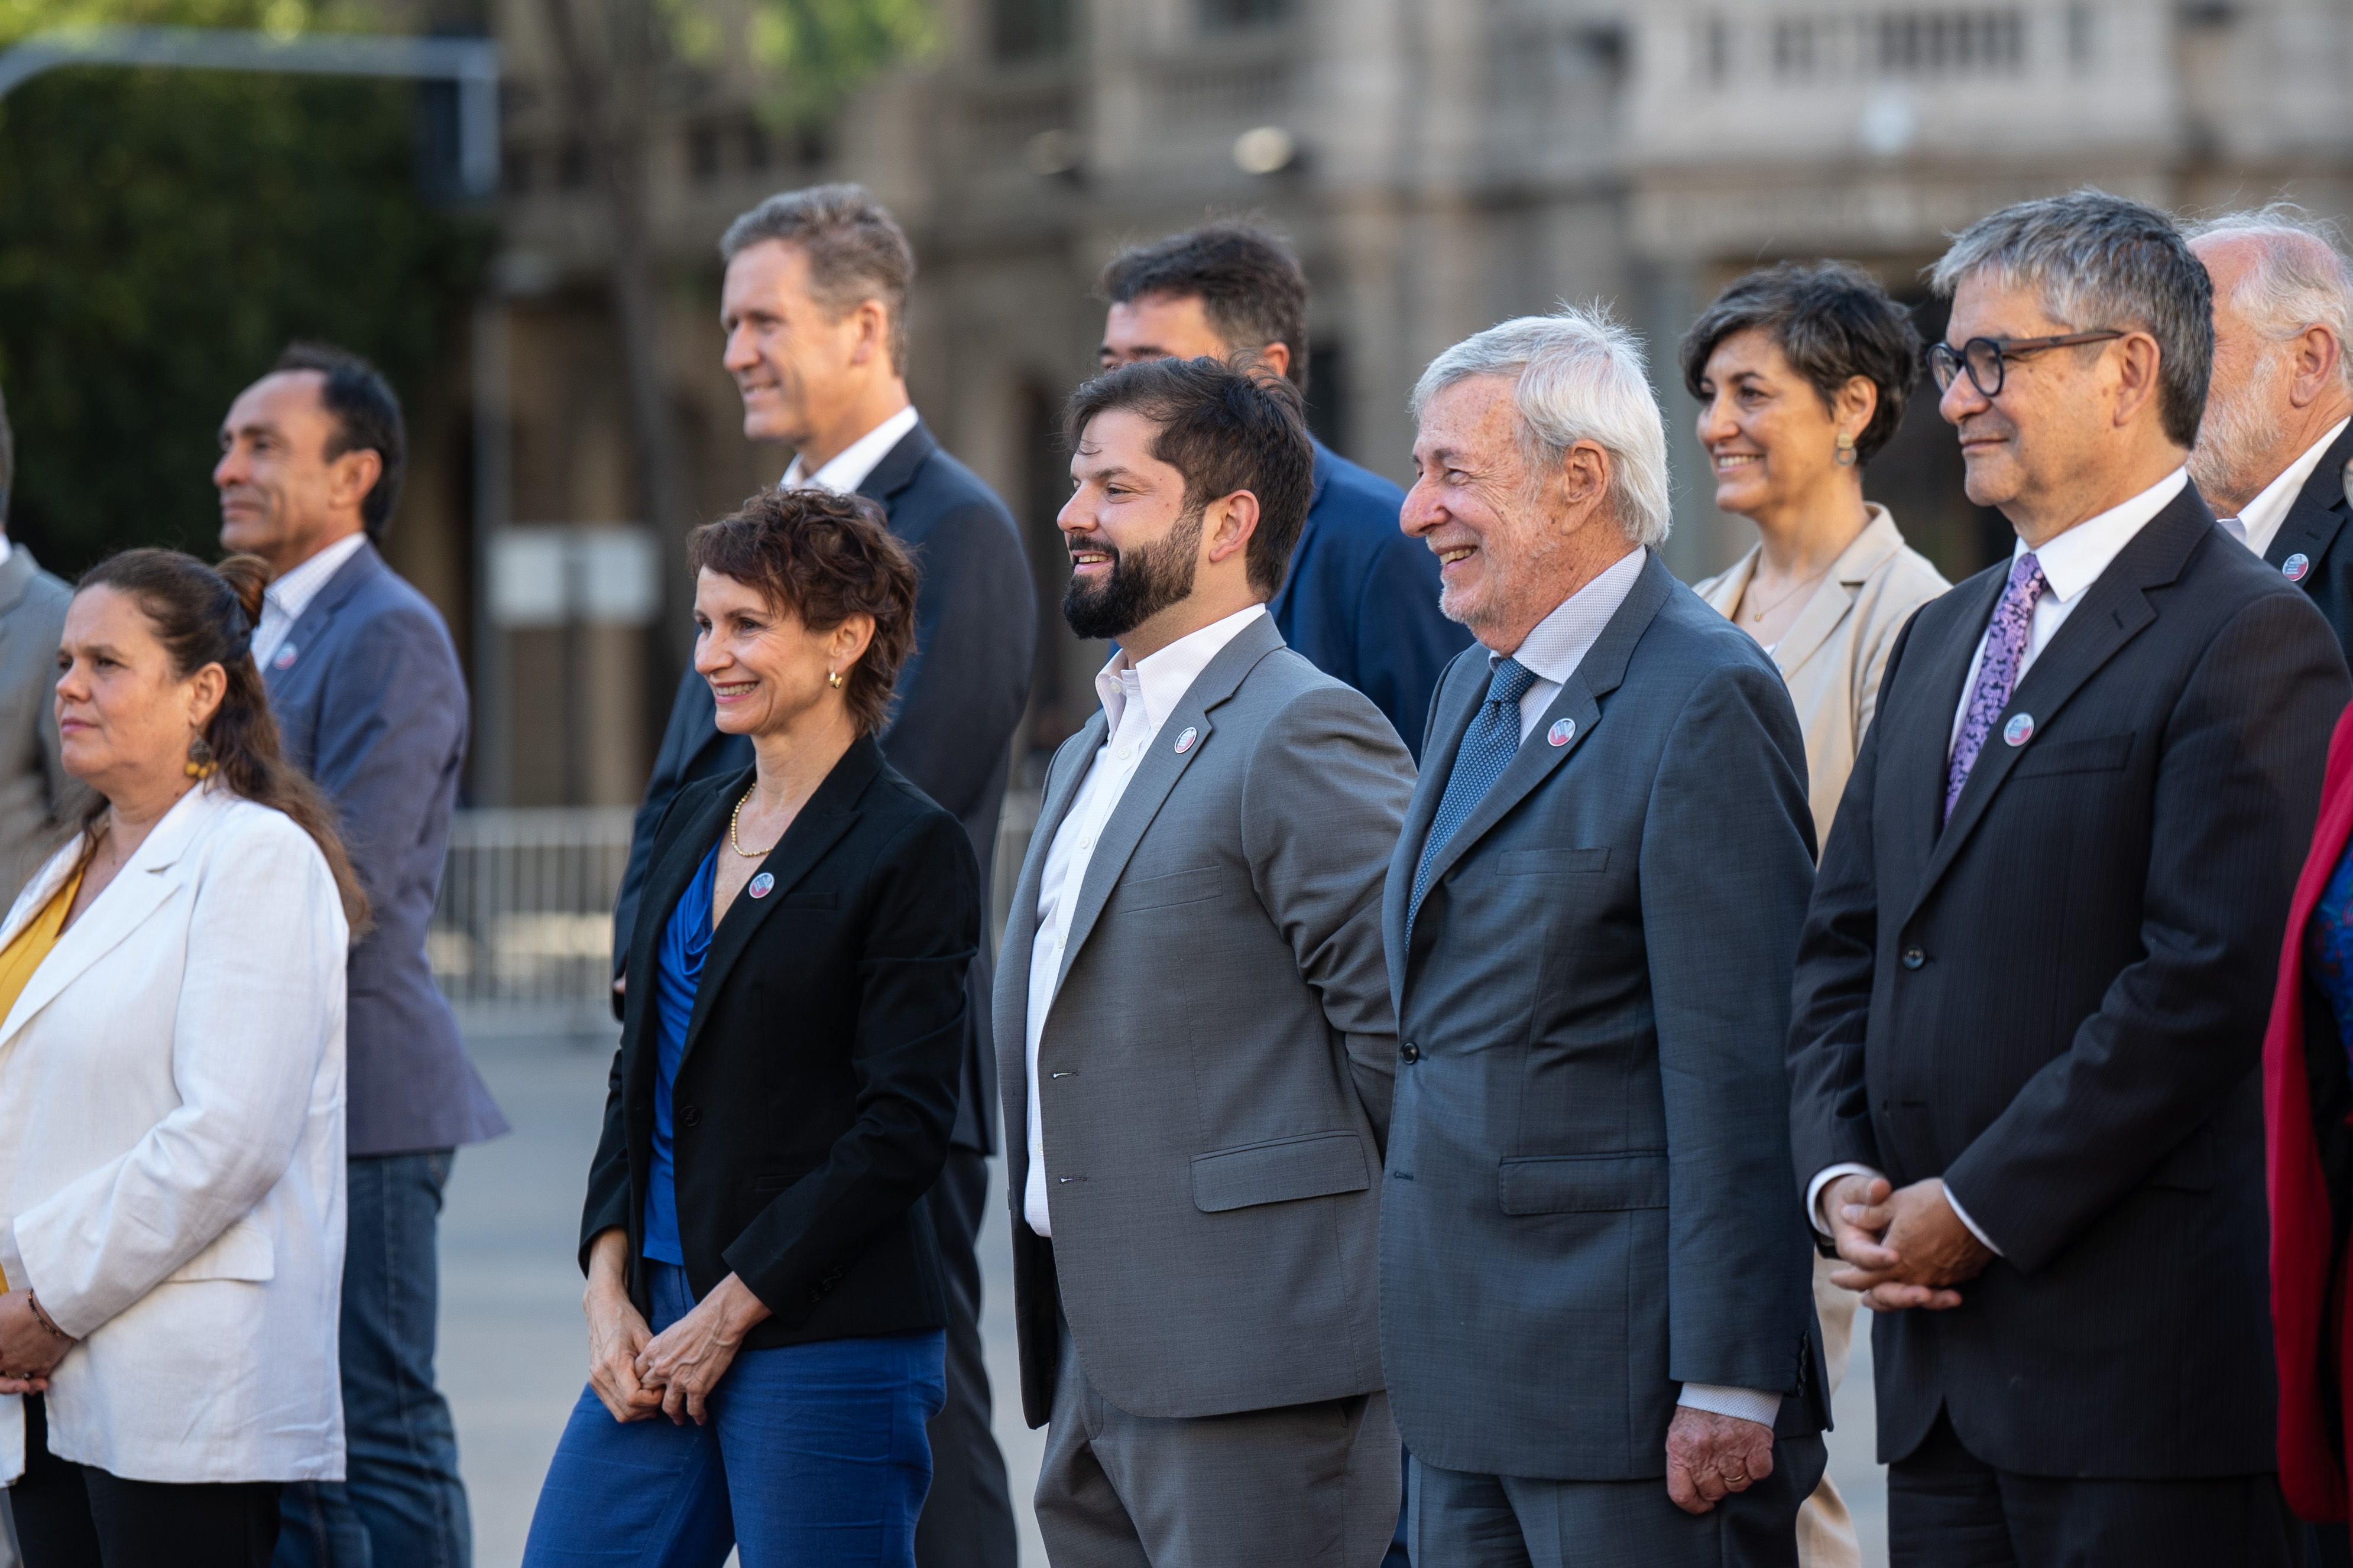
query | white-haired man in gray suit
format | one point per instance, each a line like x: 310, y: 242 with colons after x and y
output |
x: 1194, y: 962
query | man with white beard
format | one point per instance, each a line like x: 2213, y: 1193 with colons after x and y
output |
x: 2273, y: 451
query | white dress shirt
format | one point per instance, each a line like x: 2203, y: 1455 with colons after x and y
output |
x: 2263, y: 516
x: 283, y: 602
x: 848, y: 469
x: 1561, y: 640
x: 2070, y: 563
x: 1137, y: 697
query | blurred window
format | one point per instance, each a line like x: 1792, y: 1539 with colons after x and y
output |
x: 1029, y: 29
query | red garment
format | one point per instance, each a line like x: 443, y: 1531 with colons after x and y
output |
x: 2302, y: 1319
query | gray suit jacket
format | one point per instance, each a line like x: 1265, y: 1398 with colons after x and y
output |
x: 1587, y: 1200
x: 38, y: 800
x: 371, y: 704
x: 1217, y: 1066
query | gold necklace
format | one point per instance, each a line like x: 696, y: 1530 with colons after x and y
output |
x: 1759, y: 612
x: 737, y: 844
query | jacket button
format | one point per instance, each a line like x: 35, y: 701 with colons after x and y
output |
x: 690, y: 1116
x: 1914, y: 958
x: 1411, y: 1052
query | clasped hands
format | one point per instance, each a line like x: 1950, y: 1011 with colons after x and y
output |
x: 1904, y: 1249
x: 637, y: 1373
x: 30, y: 1352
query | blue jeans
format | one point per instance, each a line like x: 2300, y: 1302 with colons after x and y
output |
x: 403, y: 1505
x: 814, y: 1457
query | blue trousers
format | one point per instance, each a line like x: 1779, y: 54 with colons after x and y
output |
x: 814, y: 1457
x: 403, y: 1506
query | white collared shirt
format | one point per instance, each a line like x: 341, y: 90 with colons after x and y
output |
x: 1561, y: 640
x: 846, y: 469
x: 283, y: 602
x: 2071, y: 561
x: 1137, y: 697
x: 2261, y: 517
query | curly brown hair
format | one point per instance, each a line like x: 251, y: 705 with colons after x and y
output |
x: 823, y: 557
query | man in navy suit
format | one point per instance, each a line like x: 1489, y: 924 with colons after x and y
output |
x: 1361, y: 599
x: 815, y: 308
x: 369, y: 699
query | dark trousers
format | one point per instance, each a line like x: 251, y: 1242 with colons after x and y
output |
x: 403, y: 1505
x: 1949, y: 1509
x: 72, y: 1516
x: 967, y: 1519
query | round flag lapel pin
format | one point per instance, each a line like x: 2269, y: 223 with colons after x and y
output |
x: 1185, y: 742
x: 2019, y: 730
x: 285, y: 659
x: 761, y: 885
x: 1562, y: 731
x: 2296, y: 567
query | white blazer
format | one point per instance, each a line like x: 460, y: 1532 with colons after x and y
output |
x: 172, y: 1154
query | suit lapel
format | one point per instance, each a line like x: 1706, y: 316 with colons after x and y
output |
x: 313, y: 622
x: 1830, y: 604
x: 2114, y: 609
x: 897, y: 469
x: 2313, y: 521
x: 1157, y: 773
x: 1064, y: 778
x: 1596, y: 676
x: 1460, y: 691
x: 831, y: 812
x: 15, y: 575
x: 140, y: 888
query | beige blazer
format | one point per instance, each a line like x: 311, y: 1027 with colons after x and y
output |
x: 1835, y: 651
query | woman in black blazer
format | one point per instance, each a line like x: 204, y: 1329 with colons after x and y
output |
x: 760, y: 1271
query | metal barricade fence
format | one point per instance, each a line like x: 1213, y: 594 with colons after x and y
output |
x: 522, y: 939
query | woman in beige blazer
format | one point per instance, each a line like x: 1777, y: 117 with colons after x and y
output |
x: 1801, y: 373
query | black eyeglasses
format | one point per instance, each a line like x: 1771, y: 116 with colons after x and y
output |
x: 1984, y: 357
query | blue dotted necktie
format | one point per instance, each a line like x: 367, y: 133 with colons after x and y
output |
x: 1487, y: 749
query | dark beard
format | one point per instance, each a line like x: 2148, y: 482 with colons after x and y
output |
x: 1142, y: 582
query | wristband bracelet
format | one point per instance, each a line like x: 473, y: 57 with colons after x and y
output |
x: 33, y: 1300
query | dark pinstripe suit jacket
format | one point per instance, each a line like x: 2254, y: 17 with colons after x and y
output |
x: 2057, y: 1003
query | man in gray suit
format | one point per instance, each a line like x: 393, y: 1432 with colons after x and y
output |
x: 1596, y: 1313
x: 1194, y: 961
x: 37, y: 796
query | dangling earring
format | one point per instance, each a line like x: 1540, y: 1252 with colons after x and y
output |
x: 1845, y: 450
x: 833, y: 679
x: 200, y: 760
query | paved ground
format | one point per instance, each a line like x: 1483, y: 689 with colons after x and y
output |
x: 512, y: 1344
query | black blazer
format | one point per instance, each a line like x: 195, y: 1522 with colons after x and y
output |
x: 812, y: 1107
x: 960, y: 698
x: 2312, y: 528
x: 2058, y: 1001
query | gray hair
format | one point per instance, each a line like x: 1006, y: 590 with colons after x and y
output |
x: 2299, y: 278
x: 2098, y: 262
x: 1578, y: 376
x: 856, y: 250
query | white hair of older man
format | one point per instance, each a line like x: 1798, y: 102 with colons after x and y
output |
x: 1578, y: 375
x: 2299, y: 278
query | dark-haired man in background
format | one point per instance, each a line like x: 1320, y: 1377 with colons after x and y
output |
x: 815, y: 308
x: 38, y: 797
x: 369, y: 699
x: 1361, y: 599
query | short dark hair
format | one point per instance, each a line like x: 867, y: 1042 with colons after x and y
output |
x: 7, y: 460
x: 1225, y: 429
x: 366, y: 412
x: 1832, y: 322
x: 2097, y: 262
x: 856, y: 250
x: 1249, y: 285
x: 825, y: 556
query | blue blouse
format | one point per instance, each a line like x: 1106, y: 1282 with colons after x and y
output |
x: 2328, y: 948
x: 677, y: 973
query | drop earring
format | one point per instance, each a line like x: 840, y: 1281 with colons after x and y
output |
x: 1845, y: 450
x: 200, y: 760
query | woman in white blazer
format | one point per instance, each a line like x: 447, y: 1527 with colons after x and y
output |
x: 171, y: 1100
x: 1802, y: 374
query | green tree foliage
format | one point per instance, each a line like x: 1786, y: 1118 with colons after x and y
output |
x: 162, y: 235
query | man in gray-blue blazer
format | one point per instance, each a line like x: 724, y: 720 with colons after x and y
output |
x: 1597, y: 1322
x: 369, y: 699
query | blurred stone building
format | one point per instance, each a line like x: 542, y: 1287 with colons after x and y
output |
x: 1439, y: 164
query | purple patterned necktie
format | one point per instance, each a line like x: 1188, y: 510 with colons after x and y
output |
x: 2005, y: 643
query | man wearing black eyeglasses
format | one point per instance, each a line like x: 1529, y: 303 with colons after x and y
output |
x: 2032, y: 994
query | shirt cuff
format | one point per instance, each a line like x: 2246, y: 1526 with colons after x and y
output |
x: 1828, y: 1174
x: 1747, y: 1403
x: 1953, y: 1200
